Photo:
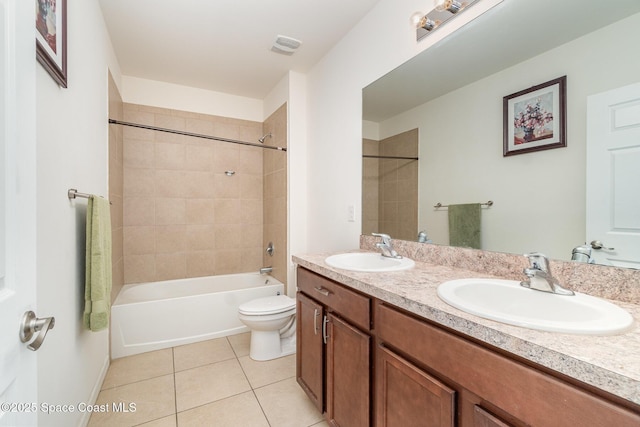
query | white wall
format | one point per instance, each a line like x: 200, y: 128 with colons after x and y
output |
x: 184, y: 98
x: 539, y: 197
x: 381, y: 41
x: 72, y: 152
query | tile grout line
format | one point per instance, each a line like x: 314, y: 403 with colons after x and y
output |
x: 175, y: 388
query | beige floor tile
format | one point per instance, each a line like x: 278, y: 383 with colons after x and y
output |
x: 206, y: 384
x: 321, y: 424
x: 240, y: 343
x: 286, y: 405
x: 202, y: 353
x: 241, y: 410
x: 260, y: 374
x: 153, y: 399
x: 169, y: 421
x: 139, y: 367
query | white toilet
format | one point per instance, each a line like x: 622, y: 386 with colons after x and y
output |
x: 272, y: 321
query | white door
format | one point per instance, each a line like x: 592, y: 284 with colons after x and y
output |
x: 613, y: 175
x: 18, y: 390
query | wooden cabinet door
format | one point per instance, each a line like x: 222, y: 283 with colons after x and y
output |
x: 348, y: 373
x: 406, y: 396
x: 482, y: 418
x: 310, y: 349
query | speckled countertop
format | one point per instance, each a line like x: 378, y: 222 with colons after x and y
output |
x: 611, y: 363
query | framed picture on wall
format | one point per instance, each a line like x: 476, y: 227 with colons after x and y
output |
x: 51, y: 38
x: 535, y: 119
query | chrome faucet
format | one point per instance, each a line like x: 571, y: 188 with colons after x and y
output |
x: 540, y: 277
x: 385, y: 246
x: 266, y: 270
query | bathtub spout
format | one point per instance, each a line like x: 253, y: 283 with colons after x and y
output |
x: 266, y: 270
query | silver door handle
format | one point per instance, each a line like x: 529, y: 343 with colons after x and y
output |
x: 31, y: 326
x: 315, y: 321
x: 597, y: 244
x: 325, y: 334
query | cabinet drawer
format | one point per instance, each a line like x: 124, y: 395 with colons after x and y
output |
x: 349, y: 304
x: 528, y: 394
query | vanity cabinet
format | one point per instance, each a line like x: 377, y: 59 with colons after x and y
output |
x: 333, y: 359
x: 491, y: 388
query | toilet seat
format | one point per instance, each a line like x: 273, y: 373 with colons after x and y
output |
x: 267, y: 305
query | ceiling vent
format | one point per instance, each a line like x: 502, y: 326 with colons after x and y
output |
x: 285, y: 45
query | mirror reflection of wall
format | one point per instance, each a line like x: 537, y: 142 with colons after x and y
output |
x: 540, y: 197
x: 390, y: 185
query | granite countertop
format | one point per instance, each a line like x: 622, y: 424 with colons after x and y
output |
x: 610, y: 363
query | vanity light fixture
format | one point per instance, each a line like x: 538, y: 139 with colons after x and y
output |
x: 443, y: 11
x: 452, y: 6
x: 420, y: 20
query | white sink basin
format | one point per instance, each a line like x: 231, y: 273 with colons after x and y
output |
x: 368, y: 261
x: 507, y: 302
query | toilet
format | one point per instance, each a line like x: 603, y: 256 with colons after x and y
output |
x: 272, y: 321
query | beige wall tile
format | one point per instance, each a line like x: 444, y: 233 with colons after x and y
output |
x: 201, y: 263
x: 171, y: 266
x: 170, y: 183
x: 169, y: 156
x: 139, y: 154
x: 201, y: 237
x: 138, y: 182
x: 204, y: 222
x: 227, y: 187
x: 227, y: 236
x: 139, y: 268
x: 170, y: 239
x: 199, y: 185
x: 200, y: 211
x: 139, y: 211
x: 199, y: 157
x: 227, y: 211
x: 170, y: 211
x: 139, y: 240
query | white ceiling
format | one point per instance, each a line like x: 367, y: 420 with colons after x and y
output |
x: 225, y: 45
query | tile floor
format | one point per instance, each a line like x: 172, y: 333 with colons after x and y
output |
x: 210, y: 383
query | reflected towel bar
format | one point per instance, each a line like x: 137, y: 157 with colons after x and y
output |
x: 72, y: 193
x: 440, y: 205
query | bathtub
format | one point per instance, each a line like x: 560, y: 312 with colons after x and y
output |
x: 152, y: 316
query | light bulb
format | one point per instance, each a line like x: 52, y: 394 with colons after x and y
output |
x: 452, y: 6
x: 416, y: 18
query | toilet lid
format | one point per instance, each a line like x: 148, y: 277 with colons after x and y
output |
x: 268, y: 305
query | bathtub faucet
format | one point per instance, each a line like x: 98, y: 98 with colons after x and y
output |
x: 266, y: 270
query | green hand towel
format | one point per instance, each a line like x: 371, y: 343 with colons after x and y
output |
x: 97, y: 291
x: 464, y: 225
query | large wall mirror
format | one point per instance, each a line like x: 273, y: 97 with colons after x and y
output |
x: 451, y: 98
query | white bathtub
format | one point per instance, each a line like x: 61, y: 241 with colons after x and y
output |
x: 152, y: 316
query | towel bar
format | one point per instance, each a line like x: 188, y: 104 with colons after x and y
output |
x: 440, y: 205
x: 72, y: 193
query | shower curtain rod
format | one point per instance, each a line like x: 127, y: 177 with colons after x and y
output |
x: 195, y: 135
x: 368, y: 156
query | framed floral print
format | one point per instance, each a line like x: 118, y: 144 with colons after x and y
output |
x: 51, y: 38
x: 535, y: 118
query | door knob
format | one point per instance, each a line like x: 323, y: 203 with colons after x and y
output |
x: 31, y: 325
x: 597, y: 244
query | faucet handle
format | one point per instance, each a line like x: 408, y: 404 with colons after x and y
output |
x: 538, y: 260
x: 386, y: 239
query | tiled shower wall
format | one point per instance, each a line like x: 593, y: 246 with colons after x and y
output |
x: 370, y: 186
x: 116, y: 190
x: 396, y: 184
x: 275, y: 194
x: 184, y: 216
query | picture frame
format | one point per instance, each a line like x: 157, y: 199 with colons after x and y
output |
x: 51, y: 38
x: 535, y: 118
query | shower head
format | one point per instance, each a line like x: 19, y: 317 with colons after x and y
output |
x: 265, y: 137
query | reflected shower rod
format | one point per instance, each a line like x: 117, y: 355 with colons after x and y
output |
x: 195, y: 135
